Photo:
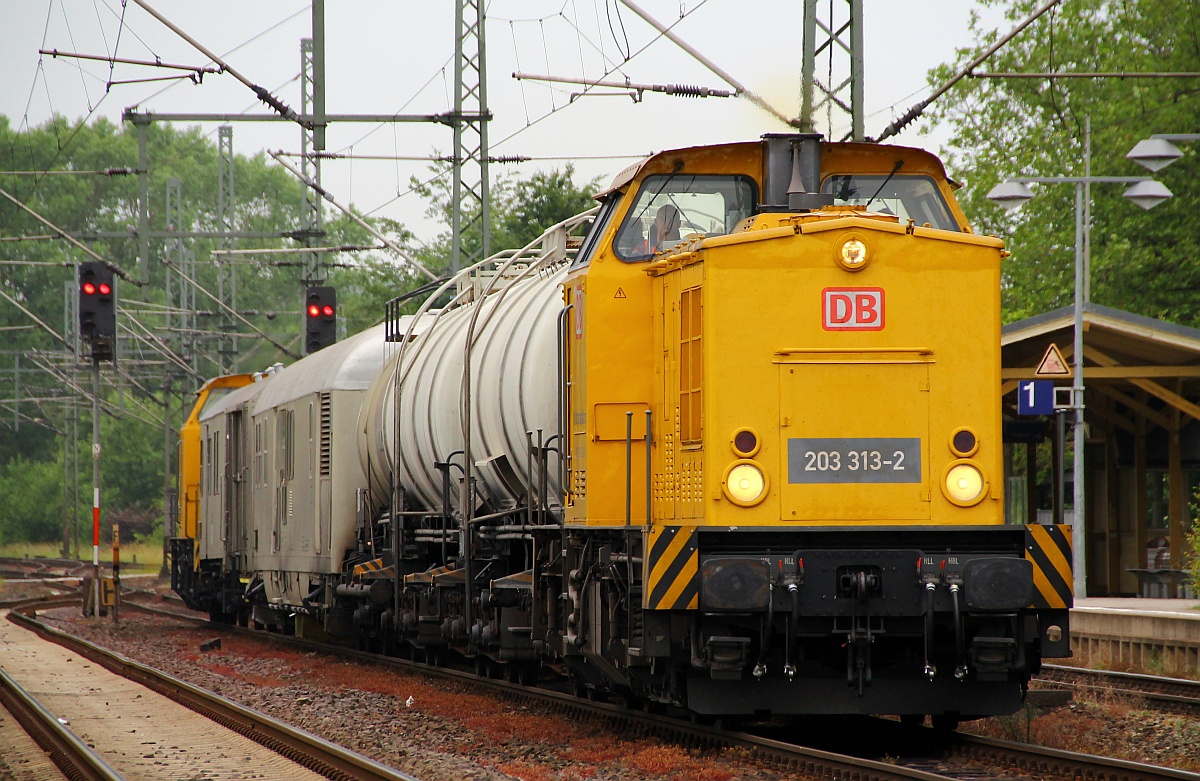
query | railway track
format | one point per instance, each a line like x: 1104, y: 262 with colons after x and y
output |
x: 13, y: 568
x: 932, y: 755
x: 1175, y: 695
x: 74, y: 758
x: 312, y: 754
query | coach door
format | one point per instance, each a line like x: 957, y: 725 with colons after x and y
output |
x: 236, y: 496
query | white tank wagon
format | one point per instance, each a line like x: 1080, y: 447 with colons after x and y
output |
x: 511, y: 318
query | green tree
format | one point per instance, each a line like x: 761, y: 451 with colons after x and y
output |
x: 33, y: 501
x: 522, y: 209
x: 39, y: 276
x: 1148, y: 263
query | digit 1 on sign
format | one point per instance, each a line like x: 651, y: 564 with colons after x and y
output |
x: 1035, y: 397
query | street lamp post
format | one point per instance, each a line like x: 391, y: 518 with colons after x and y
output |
x: 1146, y: 193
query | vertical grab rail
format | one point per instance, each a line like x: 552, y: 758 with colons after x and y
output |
x: 649, y: 419
x: 628, y: 466
x: 564, y: 413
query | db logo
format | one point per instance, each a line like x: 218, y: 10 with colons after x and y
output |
x: 852, y: 309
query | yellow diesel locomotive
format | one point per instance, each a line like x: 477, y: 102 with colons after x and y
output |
x: 730, y: 442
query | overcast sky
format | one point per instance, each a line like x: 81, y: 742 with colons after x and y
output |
x: 397, y: 57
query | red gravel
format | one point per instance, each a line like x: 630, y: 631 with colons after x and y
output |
x: 441, y: 730
x: 433, y: 729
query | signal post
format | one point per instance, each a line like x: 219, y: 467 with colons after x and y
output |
x: 98, y: 326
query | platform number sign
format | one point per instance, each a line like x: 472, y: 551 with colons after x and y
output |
x: 1035, y: 397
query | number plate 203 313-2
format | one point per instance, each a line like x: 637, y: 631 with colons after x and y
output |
x: 854, y: 460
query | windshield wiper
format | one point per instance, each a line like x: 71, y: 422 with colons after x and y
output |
x: 895, y: 168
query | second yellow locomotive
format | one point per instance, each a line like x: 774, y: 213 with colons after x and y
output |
x: 738, y: 449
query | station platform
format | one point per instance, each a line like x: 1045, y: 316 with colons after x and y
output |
x: 1154, y: 636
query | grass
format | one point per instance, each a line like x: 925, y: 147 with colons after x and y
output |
x: 136, y: 557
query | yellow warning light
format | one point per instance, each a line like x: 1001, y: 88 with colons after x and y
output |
x: 852, y: 255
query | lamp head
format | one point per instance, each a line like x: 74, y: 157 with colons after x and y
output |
x: 1148, y: 193
x: 1010, y: 194
x: 1154, y: 153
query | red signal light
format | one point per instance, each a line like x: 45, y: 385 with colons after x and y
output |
x: 314, y: 310
x: 89, y: 289
x: 105, y: 289
x: 327, y: 311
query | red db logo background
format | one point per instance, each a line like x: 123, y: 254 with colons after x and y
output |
x: 852, y: 309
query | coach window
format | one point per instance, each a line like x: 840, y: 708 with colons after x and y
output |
x: 907, y: 196
x: 671, y: 207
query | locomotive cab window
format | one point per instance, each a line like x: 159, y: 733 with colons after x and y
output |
x: 909, y: 197
x: 670, y: 207
x: 214, y: 395
x: 597, y: 229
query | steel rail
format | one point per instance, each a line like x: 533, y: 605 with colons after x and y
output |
x: 310, y: 751
x: 809, y: 761
x: 1041, y: 762
x: 1171, y: 694
x: 68, y: 753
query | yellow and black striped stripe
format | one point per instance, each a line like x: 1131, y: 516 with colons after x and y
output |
x: 1048, y: 548
x: 368, y: 566
x: 672, y: 571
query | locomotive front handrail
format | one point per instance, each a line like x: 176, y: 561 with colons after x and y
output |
x: 832, y: 350
x: 849, y: 356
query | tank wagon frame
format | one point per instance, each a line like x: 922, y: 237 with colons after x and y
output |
x: 731, y: 442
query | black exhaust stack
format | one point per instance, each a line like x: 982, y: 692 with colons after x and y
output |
x: 792, y: 173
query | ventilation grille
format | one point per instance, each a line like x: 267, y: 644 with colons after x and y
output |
x: 326, y: 433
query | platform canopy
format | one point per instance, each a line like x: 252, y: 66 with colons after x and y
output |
x: 1142, y: 384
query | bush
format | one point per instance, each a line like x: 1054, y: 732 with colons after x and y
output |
x: 33, y: 510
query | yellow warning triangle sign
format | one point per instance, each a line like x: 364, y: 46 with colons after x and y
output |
x: 1053, y: 364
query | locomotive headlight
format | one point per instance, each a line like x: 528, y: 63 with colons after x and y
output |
x: 745, y: 483
x: 964, y: 483
x: 852, y: 255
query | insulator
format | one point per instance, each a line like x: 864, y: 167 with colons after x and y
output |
x: 687, y: 90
